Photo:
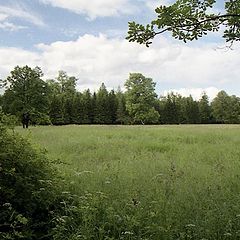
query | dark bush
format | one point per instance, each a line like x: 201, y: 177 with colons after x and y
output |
x: 38, y: 118
x: 29, y: 196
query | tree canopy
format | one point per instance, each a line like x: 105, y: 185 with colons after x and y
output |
x: 58, y: 102
x: 140, y: 99
x: 25, y: 91
x: 189, y: 20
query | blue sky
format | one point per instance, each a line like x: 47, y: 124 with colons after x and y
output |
x: 86, y: 39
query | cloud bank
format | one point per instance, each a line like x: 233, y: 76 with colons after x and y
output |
x: 196, y: 93
x: 94, y: 8
x: 96, y: 59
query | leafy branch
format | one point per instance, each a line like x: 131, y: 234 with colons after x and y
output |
x: 189, y: 20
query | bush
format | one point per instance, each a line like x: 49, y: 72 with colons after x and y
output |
x: 29, y: 196
x: 43, y: 119
x: 8, y: 120
x: 39, y: 118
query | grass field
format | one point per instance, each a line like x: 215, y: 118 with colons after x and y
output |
x: 149, y: 182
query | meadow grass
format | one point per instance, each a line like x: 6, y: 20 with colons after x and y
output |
x: 149, y: 182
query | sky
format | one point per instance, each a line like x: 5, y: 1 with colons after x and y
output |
x: 87, y: 40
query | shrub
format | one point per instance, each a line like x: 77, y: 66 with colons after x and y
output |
x: 8, y: 120
x: 29, y: 194
x: 39, y: 118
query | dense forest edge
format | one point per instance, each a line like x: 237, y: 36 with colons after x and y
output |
x: 58, y: 102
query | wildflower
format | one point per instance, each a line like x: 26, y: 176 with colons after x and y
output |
x: 227, y: 234
x: 128, y: 233
x: 190, y: 225
x: 7, y: 205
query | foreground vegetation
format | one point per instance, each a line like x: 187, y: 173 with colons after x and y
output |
x: 146, y: 182
x: 29, y: 197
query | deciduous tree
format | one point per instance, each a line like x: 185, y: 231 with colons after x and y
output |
x: 188, y: 20
x: 25, y: 91
x: 226, y: 109
x: 141, y: 98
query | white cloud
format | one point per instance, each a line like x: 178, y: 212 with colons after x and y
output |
x: 196, y: 93
x: 96, y: 59
x: 8, y: 13
x: 3, y: 16
x: 94, y: 8
x: 11, y: 57
x: 153, y: 4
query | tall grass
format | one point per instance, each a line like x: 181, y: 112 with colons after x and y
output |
x: 148, y: 182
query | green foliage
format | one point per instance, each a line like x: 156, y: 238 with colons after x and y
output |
x: 67, y: 85
x: 26, y: 189
x: 113, y: 104
x: 121, y: 114
x: 170, y: 109
x: 25, y: 91
x: 189, y: 20
x: 41, y: 119
x: 226, y: 109
x: 175, y: 109
x: 190, y: 110
x: 68, y: 111
x: 61, y: 94
x: 205, y: 111
x: 8, y: 120
x: 56, y: 110
x: 102, y: 106
x: 141, y: 98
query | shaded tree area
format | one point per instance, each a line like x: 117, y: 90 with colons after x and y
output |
x: 175, y: 109
x: 58, y: 102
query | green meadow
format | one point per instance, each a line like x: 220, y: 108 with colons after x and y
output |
x: 146, y: 182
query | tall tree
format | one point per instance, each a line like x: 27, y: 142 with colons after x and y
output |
x: 67, y: 84
x: 92, y: 107
x: 190, y: 110
x: 112, y: 107
x: 220, y: 105
x: 141, y: 98
x: 170, y: 109
x: 205, y: 109
x: 68, y: 110
x: 121, y: 114
x: 54, y: 87
x: 56, y: 112
x: 102, y: 106
x: 63, y: 89
x: 226, y: 109
x: 77, y: 108
x: 188, y: 20
x: 25, y: 91
x: 88, y: 107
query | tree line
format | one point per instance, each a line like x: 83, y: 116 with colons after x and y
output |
x: 58, y: 102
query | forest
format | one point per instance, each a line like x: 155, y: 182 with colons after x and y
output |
x: 58, y: 102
